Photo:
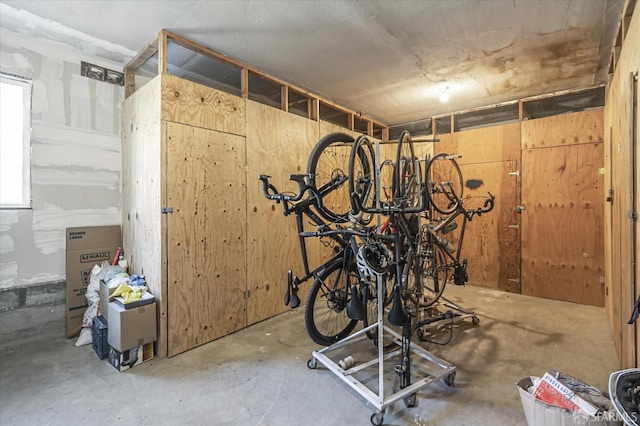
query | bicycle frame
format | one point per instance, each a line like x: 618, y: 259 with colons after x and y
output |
x: 467, y: 216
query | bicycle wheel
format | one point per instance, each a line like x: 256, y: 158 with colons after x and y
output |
x: 435, y: 273
x: 325, y: 315
x: 387, y: 170
x: 444, y: 183
x: 328, y: 168
x: 362, y: 176
x: 406, y: 178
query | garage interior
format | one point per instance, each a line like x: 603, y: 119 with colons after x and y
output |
x: 542, y: 107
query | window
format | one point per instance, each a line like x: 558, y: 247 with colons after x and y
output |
x: 15, y: 145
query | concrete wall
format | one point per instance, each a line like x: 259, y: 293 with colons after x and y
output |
x: 76, y: 165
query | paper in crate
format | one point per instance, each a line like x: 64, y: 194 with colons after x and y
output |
x: 553, y: 392
x: 539, y: 413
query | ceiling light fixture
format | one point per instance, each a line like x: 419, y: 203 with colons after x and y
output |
x: 444, y: 96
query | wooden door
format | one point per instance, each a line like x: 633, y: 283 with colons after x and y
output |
x: 206, y: 235
x: 562, y: 224
x: 491, y: 241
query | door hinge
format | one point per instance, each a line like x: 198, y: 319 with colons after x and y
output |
x: 246, y: 168
x: 632, y: 215
x: 166, y: 210
x: 513, y: 226
x: 515, y: 280
x: 516, y: 173
x: 519, y: 209
x: 247, y: 293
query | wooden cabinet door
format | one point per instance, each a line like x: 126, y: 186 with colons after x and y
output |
x: 562, y: 224
x: 205, y: 235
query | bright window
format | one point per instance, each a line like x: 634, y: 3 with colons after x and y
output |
x: 15, y: 145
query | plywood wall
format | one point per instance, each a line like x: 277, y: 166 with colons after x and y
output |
x: 141, y: 194
x: 562, y: 225
x: 490, y: 156
x: 621, y: 136
x: 495, y: 143
x: 278, y: 145
x: 186, y: 102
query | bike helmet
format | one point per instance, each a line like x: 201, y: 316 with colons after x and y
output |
x: 373, y: 259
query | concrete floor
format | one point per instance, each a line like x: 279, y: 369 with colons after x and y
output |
x: 259, y: 376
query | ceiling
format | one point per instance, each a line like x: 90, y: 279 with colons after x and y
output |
x: 389, y: 60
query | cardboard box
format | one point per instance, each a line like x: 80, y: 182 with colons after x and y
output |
x: 129, y: 328
x: 86, y: 247
x: 538, y: 413
x: 105, y: 294
x: 123, y: 361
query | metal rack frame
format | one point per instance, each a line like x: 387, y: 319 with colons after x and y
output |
x: 378, y: 398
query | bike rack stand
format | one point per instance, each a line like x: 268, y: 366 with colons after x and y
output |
x: 374, y: 392
x: 366, y: 387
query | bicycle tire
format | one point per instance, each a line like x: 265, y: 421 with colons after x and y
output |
x: 435, y: 273
x: 406, y: 178
x: 445, y: 186
x: 387, y: 171
x: 325, y: 314
x: 362, y: 177
x: 329, y: 162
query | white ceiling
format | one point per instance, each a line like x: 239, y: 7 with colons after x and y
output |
x: 387, y: 59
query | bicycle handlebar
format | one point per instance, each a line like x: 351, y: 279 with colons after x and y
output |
x: 271, y: 192
x: 486, y: 207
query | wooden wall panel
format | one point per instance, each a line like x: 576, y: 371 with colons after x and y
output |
x: 495, y: 143
x: 206, y: 188
x: 562, y: 226
x: 491, y: 242
x: 278, y: 144
x: 141, y: 194
x: 493, y: 247
x: 186, y: 102
x: 565, y: 129
x: 621, y: 131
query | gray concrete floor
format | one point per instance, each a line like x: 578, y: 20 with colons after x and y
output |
x: 259, y: 375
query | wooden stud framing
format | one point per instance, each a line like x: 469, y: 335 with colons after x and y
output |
x: 244, y: 83
x: 314, y: 109
x: 129, y: 82
x: 385, y: 133
x: 162, y: 52
x: 520, y: 110
x: 284, y: 98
